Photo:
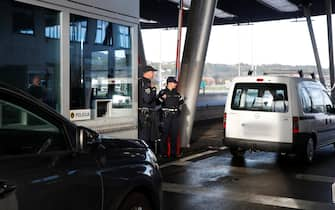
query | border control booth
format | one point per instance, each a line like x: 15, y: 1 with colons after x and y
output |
x: 84, y: 53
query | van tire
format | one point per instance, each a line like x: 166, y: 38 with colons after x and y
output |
x: 308, y: 151
x: 237, y: 151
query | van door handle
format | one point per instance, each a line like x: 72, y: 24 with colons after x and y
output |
x: 6, y: 188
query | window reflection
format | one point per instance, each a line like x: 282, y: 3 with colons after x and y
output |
x: 23, y: 19
x: 101, y: 69
x: 104, y: 33
x: 24, y: 58
x: 78, y: 28
x: 52, y: 26
x: 123, y: 36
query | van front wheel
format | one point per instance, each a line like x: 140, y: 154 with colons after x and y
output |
x: 237, y: 151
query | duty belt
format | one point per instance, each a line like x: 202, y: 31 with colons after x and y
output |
x: 144, y: 109
x: 169, y: 110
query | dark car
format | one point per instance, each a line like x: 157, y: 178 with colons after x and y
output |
x: 47, y: 162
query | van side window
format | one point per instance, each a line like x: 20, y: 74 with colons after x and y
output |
x: 327, y: 100
x: 317, y: 100
x: 306, y: 101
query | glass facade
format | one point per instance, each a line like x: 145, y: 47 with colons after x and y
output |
x: 100, y: 66
x: 30, y: 50
x: 79, y: 65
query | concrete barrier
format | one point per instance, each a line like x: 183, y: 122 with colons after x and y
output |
x: 208, y: 113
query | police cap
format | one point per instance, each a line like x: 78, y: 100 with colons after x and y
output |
x: 149, y: 68
x: 171, y: 79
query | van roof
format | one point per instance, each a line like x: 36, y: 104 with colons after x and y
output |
x: 271, y: 79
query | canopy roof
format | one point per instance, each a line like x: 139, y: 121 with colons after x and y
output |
x: 164, y: 13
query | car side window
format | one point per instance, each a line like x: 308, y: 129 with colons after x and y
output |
x: 306, y: 101
x: 23, y: 132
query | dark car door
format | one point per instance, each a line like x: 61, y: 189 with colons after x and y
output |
x: 38, y: 169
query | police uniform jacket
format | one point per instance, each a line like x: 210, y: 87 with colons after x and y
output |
x: 147, y: 94
x: 173, y: 100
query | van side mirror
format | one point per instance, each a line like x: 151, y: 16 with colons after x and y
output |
x: 85, y: 138
x: 330, y: 109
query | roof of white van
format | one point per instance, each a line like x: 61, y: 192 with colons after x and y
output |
x: 271, y: 79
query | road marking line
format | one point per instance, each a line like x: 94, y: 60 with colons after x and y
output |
x: 315, y: 178
x: 198, y: 155
x: 275, y: 201
x: 186, y: 159
x: 223, y: 148
x: 176, y: 163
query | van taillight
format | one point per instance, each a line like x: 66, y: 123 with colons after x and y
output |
x: 295, y: 124
x: 259, y: 79
x: 224, y: 120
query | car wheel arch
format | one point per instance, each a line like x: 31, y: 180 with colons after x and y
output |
x: 144, y: 190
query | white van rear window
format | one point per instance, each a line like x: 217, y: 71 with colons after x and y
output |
x: 260, y: 97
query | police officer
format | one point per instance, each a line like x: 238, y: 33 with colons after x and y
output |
x: 171, y: 102
x: 147, y: 120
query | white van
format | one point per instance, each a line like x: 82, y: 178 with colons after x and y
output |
x: 278, y: 113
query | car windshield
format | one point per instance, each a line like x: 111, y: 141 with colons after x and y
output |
x: 260, y: 97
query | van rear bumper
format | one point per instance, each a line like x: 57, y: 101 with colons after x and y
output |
x: 258, y: 145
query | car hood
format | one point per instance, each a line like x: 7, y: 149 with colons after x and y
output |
x: 126, y: 151
x: 115, y: 143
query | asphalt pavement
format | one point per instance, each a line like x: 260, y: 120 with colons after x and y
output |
x: 207, y: 177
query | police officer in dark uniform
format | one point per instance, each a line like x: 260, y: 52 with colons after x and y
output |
x: 171, y: 102
x: 147, y: 115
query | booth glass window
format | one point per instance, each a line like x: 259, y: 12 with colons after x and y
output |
x: 101, y: 67
x: 30, y: 61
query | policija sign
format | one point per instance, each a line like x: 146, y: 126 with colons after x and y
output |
x: 80, y: 114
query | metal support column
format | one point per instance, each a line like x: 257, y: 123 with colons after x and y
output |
x: 330, y: 44
x: 180, y: 30
x: 197, y: 38
x: 307, y: 12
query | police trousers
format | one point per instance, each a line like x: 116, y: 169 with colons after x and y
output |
x: 169, y: 127
x: 148, y: 122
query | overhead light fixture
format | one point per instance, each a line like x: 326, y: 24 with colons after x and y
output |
x: 142, y: 20
x: 186, y: 3
x: 218, y: 12
x: 280, y: 5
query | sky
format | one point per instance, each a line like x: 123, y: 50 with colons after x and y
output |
x: 284, y: 42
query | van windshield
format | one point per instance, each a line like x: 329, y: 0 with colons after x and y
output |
x: 260, y: 97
